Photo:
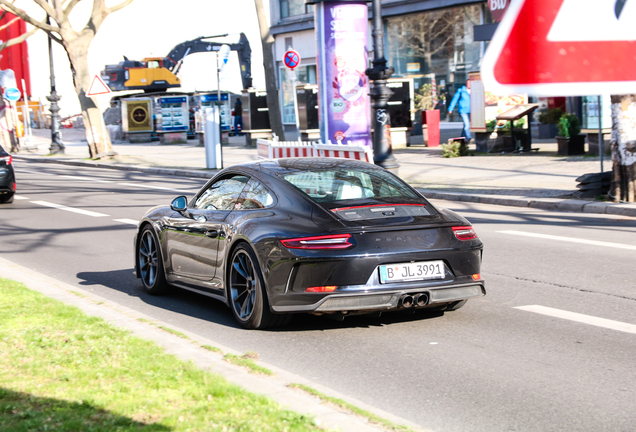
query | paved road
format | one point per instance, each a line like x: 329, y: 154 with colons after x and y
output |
x: 532, y: 355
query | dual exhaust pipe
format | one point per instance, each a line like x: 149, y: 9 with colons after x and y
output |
x: 415, y: 300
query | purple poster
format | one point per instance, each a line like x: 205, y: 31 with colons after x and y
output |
x: 344, y: 85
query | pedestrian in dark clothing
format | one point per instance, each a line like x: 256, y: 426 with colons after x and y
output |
x: 238, y: 116
x: 462, y: 99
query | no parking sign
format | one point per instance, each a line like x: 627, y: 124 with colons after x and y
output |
x: 291, y: 59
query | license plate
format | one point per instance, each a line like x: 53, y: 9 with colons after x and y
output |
x: 414, y: 271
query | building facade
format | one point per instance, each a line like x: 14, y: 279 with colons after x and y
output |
x: 429, y: 41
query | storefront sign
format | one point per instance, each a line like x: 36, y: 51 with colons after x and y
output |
x: 344, y: 86
x: 498, y: 8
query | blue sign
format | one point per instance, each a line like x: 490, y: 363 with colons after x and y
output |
x: 213, y: 97
x: 168, y: 100
x: 12, y: 94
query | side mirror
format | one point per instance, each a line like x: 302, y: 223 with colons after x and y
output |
x: 179, y: 204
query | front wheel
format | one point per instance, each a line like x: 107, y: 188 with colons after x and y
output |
x: 246, y: 291
x: 150, y: 264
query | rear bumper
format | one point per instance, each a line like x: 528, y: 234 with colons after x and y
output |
x: 382, y: 298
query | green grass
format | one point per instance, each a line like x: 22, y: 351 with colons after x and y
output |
x: 247, y: 361
x: 174, y: 332
x: 352, y: 408
x: 64, y: 371
x: 211, y: 348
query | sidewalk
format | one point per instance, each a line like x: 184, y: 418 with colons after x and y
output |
x: 540, y: 179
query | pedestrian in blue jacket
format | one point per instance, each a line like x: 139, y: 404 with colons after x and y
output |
x: 462, y: 98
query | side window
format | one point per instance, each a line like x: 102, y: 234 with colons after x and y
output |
x: 254, y: 196
x: 222, y: 194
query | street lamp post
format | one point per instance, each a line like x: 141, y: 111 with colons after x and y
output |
x: 57, y: 147
x: 380, y: 94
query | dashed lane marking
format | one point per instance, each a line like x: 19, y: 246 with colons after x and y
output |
x: 86, y: 179
x: 69, y: 209
x: 570, y: 239
x: 154, y: 187
x: 20, y: 197
x: 127, y: 221
x: 581, y: 318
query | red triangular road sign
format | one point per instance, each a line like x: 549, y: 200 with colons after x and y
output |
x: 98, y: 86
x: 563, y: 48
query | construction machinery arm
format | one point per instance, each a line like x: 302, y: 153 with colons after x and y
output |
x: 242, y: 47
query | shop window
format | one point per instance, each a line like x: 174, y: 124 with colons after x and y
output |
x: 436, y: 49
x: 290, y: 8
x: 304, y: 75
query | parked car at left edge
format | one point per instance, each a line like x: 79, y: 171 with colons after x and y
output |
x: 7, y: 177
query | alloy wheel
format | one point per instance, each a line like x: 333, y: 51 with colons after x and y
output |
x: 243, y: 285
x: 148, y: 259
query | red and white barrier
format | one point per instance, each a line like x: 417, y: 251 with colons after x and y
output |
x: 288, y: 149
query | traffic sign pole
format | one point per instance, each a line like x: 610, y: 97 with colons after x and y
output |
x: 292, y: 60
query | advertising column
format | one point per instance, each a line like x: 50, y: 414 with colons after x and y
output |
x: 341, y: 36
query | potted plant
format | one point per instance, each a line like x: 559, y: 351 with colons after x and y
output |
x: 570, y: 140
x: 425, y: 103
x: 548, y: 120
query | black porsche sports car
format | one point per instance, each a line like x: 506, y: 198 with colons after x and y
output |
x: 7, y: 177
x: 323, y: 236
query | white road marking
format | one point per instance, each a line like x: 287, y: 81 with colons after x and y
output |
x: 585, y: 319
x: 127, y: 221
x: 34, y: 172
x: 153, y: 187
x: 86, y: 179
x: 20, y: 197
x: 70, y: 209
x: 570, y: 239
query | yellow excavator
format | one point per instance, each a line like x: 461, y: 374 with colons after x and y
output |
x: 158, y: 74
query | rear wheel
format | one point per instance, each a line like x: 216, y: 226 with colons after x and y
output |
x: 6, y: 198
x: 150, y: 263
x: 246, y: 292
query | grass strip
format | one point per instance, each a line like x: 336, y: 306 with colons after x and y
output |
x: 65, y: 371
x: 174, y: 332
x: 247, y: 362
x: 352, y: 408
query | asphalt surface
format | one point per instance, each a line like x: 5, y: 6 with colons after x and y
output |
x: 539, y: 179
x: 490, y: 366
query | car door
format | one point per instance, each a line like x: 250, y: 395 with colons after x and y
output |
x: 193, y: 236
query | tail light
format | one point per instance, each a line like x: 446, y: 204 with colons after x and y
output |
x: 7, y: 159
x: 320, y: 289
x: 464, y: 233
x: 339, y: 241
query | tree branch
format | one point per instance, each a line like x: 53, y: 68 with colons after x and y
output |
x: 9, y: 7
x: 47, y: 8
x: 69, y: 8
x: 119, y: 6
x: 9, y: 23
x: 18, y: 39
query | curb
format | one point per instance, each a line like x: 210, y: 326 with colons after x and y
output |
x: 552, y: 204
x: 274, y: 387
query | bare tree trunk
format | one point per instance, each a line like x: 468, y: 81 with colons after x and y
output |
x: 624, y: 148
x: 98, y: 140
x: 273, y: 102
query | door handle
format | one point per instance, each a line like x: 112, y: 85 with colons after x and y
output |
x: 212, y: 233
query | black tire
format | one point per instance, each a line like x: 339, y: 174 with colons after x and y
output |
x: 246, y: 292
x: 150, y: 263
x: 6, y: 198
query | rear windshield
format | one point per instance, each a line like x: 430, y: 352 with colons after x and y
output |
x: 337, y: 186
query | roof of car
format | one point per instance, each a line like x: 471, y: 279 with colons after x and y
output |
x: 289, y: 165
